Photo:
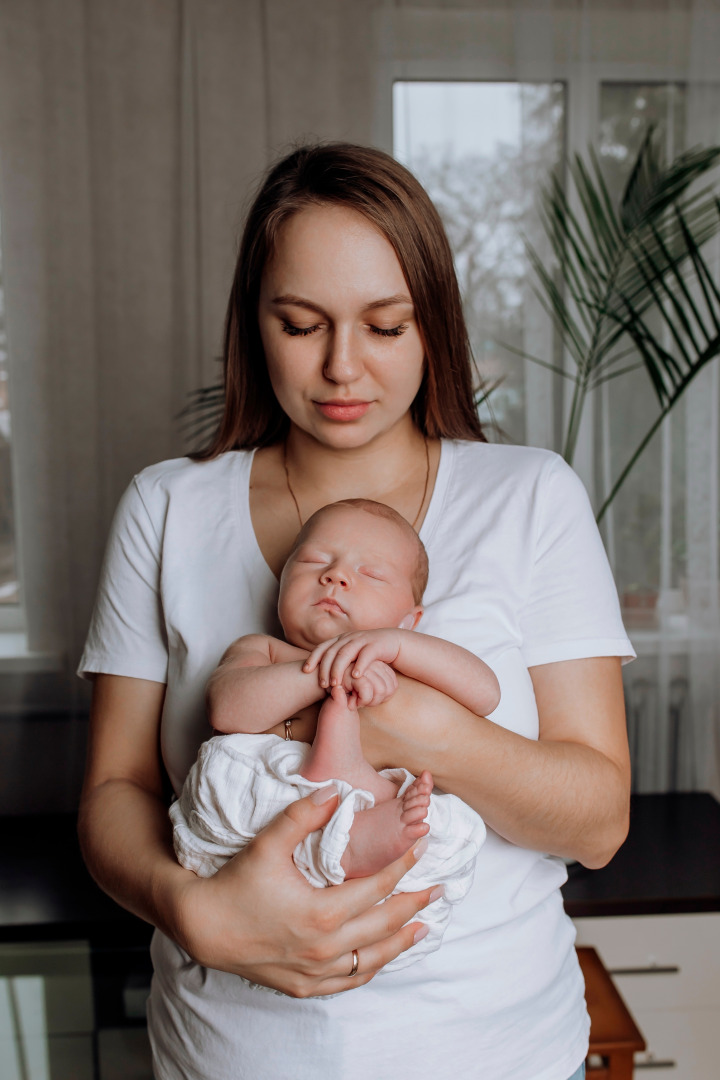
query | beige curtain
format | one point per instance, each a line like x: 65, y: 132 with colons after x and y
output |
x: 130, y: 137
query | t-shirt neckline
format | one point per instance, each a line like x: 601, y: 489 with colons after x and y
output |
x: 427, y: 528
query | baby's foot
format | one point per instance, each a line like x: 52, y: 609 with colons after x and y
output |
x: 383, y: 833
x: 336, y: 752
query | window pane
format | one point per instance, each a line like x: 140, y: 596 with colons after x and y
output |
x: 649, y: 512
x: 482, y: 149
x: 8, y: 566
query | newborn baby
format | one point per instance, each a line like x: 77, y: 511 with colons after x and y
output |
x: 350, y: 598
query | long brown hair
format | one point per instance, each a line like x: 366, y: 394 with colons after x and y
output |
x: 378, y: 187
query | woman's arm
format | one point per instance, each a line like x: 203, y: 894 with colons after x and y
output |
x: 236, y: 921
x: 566, y: 794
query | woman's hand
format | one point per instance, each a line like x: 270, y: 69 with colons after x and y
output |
x: 566, y: 793
x: 259, y: 918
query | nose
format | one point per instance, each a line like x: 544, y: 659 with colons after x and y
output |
x: 335, y: 575
x: 343, y: 363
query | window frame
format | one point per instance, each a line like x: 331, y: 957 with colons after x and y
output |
x: 496, y: 46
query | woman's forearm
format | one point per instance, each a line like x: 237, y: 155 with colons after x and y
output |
x: 126, y: 840
x: 561, y: 797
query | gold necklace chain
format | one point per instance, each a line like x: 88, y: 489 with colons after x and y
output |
x: 422, y: 501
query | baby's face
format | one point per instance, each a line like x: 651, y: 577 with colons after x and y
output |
x: 353, y: 571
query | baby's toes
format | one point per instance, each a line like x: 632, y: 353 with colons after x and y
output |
x: 414, y: 810
x: 424, y: 781
x: 416, y: 829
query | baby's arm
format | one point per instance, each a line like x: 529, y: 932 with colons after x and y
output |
x: 431, y: 660
x: 259, y: 682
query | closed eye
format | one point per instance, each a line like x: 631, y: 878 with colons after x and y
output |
x: 376, y: 575
x: 305, y: 331
x: 394, y: 331
x: 299, y: 331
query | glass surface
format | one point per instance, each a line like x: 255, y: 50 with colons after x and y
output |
x: 482, y: 149
x: 49, y: 1029
x: 8, y: 564
x: 46, y: 1012
x: 656, y: 485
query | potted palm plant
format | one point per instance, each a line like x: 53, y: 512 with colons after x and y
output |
x: 628, y: 284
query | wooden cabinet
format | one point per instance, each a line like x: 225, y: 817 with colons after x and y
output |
x: 667, y: 968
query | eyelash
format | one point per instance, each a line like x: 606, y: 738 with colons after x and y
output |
x: 304, y: 331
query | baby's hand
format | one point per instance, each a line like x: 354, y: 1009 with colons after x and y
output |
x: 352, y: 653
x: 377, y: 684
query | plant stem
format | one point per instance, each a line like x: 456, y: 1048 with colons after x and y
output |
x: 621, y: 478
x: 576, y: 411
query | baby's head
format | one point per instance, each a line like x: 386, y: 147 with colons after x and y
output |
x: 356, y: 565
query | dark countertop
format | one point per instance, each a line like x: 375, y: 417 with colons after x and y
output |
x: 46, y: 894
x: 669, y: 863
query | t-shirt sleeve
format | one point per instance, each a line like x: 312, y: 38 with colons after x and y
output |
x: 127, y: 632
x: 572, y: 611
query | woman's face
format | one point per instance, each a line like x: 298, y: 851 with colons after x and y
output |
x: 343, y: 349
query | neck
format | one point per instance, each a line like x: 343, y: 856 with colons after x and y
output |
x: 369, y: 471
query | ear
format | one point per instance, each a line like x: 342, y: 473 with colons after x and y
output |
x: 411, y: 620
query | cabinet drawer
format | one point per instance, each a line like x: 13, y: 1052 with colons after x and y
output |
x: 46, y: 989
x: 689, y: 1039
x: 659, y: 961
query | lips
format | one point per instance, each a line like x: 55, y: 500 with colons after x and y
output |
x: 343, y: 410
x: 328, y: 604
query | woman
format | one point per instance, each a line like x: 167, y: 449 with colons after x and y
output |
x: 348, y: 375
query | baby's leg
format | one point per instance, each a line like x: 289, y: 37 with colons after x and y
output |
x: 385, y: 832
x: 336, y: 751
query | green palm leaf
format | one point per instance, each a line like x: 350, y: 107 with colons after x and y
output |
x: 632, y: 278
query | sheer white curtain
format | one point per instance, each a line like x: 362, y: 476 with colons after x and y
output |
x: 130, y: 136
x: 614, y: 69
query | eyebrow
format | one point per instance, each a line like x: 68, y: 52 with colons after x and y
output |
x: 383, y: 302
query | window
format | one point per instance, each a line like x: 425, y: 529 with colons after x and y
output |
x: 484, y: 103
x: 481, y: 149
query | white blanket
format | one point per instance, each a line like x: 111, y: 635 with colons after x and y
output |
x: 239, y: 783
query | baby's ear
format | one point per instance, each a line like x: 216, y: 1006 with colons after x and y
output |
x: 411, y: 619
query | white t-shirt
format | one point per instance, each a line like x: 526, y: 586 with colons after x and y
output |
x: 518, y: 575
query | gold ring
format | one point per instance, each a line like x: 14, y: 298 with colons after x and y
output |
x: 356, y: 961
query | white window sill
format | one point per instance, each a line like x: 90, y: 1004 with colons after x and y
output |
x: 16, y: 658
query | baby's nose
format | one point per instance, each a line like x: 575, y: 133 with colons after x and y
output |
x: 335, y: 575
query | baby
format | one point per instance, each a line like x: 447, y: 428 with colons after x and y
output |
x: 350, y: 599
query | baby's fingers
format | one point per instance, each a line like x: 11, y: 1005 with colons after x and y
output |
x: 317, y: 654
x: 367, y: 656
x: 330, y: 673
x: 344, y: 659
x: 366, y: 692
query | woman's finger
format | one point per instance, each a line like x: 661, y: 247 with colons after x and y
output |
x: 297, y: 821
x: 360, y: 895
x: 371, y: 958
